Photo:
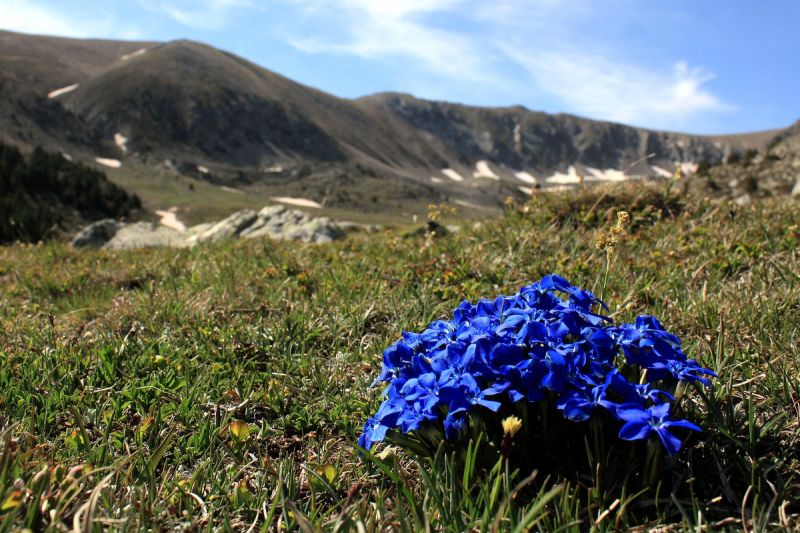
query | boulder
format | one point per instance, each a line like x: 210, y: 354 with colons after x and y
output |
x: 96, y: 234
x: 317, y: 230
x: 278, y: 222
x: 145, y: 235
x: 226, y: 228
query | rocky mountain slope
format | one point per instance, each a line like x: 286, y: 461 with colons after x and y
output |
x: 773, y: 171
x: 212, y: 115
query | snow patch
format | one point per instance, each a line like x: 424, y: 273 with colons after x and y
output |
x: 302, y: 202
x: 526, y: 177
x: 526, y: 190
x: 452, y: 174
x: 609, y: 174
x: 230, y: 189
x: 111, y: 163
x: 435, y: 179
x: 66, y: 156
x: 482, y: 170
x: 202, y: 169
x: 688, y: 167
x: 121, y: 141
x: 275, y: 169
x: 170, y: 220
x: 63, y: 90
x: 664, y: 173
x: 138, y: 52
x: 559, y: 178
x: 572, y: 177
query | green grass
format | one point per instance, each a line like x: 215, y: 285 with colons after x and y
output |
x: 121, y: 373
x: 199, y: 201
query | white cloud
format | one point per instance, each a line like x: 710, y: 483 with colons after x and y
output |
x: 29, y: 17
x: 597, y: 87
x: 201, y: 14
x: 512, y: 47
x: 396, y: 28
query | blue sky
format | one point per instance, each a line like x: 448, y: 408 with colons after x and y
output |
x: 710, y: 66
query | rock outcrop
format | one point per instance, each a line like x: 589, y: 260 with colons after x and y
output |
x: 775, y: 171
x: 275, y: 222
x: 145, y: 235
x: 96, y: 234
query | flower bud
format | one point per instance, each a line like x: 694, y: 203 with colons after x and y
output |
x: 511, y: 425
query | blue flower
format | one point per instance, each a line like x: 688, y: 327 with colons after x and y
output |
x: 638, y: 394
x: 465, y: 393
x: 545, y: 341
x: 640, y: 423
x: 687, y: 370
x: 579, y: 403
x: 376, y: 427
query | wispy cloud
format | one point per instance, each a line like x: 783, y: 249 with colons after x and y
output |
x: 201, y: 14
x: 376, y: 29
x: 519, y: 46
x: 598, y: 87
x: 31, y: 17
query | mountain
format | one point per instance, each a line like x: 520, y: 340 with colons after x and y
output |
x: 211, y: 115
x: 775, y: 170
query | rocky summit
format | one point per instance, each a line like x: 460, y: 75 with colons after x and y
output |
x: 274, y: 222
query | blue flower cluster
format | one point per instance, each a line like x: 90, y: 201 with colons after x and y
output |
x: 545, y: 342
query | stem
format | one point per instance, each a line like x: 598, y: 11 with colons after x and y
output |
x: 605, y: 276
x: 652, y: 463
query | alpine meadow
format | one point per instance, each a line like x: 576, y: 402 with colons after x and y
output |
x: 452, y: 266
x: 226, y: 386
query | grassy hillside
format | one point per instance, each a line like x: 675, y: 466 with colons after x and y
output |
x: 225, y: 386
x: 344, y: 196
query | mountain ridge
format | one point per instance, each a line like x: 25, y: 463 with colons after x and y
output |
x: 215, y: 115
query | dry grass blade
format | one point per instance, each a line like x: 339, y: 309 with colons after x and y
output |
x: 84, y: 517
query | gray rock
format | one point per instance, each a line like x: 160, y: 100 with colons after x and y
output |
x: 193, y: 231
x: 96, y: 234
x: 317, y: 230
x: 229, y: 227
x: 278, y: 222
x: 145, y: 235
